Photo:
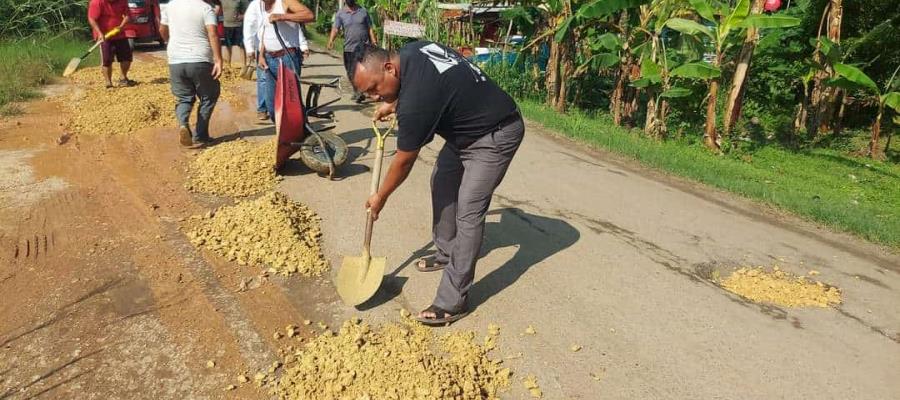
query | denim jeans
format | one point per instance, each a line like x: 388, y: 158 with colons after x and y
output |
x: 261, y: 77
x: 190, y: 82
x: 274, y: 64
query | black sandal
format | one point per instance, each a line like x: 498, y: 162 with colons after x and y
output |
x: 127, y: 82
x: 429, y: 264
x: 447, y: 318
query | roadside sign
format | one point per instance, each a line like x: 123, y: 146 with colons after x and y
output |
x: 396, y: 28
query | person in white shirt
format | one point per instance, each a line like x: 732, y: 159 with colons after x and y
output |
x: 288, y: 14
x: 195, y: 64
x: 253, y: 23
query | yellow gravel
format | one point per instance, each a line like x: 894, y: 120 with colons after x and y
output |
x: 402, y: 360
x: 271, y: 231
x: 97, y: 110
x: 237, y: 168
x: 781, y: 288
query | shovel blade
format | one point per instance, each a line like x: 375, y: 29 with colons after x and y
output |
x: 247, y: 72
x: 73, y: 65
x: 358, y: 280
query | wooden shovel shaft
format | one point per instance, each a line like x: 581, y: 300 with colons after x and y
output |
x: 91, y: 50
x: 376, y: 181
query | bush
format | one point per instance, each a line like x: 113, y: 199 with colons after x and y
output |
x: 30, y: 18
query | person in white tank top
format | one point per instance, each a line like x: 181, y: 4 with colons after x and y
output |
x: 288, y: 14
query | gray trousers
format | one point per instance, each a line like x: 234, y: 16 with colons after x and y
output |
x: 462, y: 185
x: 191, y: 81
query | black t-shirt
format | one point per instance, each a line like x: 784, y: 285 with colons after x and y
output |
x: 442, y: 92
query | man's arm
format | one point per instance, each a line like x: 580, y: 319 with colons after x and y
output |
x: 164, y: 32
x: 397, y: 173
x: 213, y: 35
x: 251, y: 28
x: 164, y: 26
x: 331, y: 37
x: 296, y: 12
x: 372, y: 38
x: 96, y: 27
x: 93, y: 14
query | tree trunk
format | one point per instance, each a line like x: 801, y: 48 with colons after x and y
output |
x: 735, y: 97
x: 653, y: 126
x: 839, y: 123
x: 823, y: 96
x: 650, y: 121
x: 553, y: 74
x: 617, y: 103
x: 566, y: 68
x: 631, y: 99
x: 876, y: 131
x: 711, y: 137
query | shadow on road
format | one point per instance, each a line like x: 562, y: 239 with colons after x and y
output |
x: 537, y: 238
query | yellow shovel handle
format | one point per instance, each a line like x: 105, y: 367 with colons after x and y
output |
x: 379, y: 135
x: 115, y: 31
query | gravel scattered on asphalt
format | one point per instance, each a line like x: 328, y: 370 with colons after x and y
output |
x: 402, y: 360
x: 781, y: 288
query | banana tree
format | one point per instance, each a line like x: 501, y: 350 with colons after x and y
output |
x: 568, y: 19
x: 823, y: 95
x: 725, y: 21
x: 848, y: 77
x: 656, y: 64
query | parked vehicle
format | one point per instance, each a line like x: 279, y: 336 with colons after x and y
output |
x: 144, y: 24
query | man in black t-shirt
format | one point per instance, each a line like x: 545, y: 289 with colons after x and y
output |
x: 434, y: 90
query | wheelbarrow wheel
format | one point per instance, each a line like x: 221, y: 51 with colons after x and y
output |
x: 313, y: 155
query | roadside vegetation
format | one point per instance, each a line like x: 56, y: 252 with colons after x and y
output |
x: 37, y: 39
x: 26, y: 64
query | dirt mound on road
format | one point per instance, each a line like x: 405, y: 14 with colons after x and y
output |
x: 781, y: 288
x: 97, y: 110
x: 270, y: 231
x: 238, y: 168
x: 396, y: 361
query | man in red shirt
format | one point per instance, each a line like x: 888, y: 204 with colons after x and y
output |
x: 104, y: 15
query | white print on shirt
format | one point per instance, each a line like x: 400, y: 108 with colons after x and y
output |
x: 444, y: 60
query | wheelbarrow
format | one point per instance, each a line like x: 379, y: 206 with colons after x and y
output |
x: 321, y: 151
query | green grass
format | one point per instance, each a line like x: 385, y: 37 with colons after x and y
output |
x: 851, y: 194
x: 27, y: 64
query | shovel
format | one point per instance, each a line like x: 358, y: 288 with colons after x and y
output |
x: 359, y: 277
x: 75, y: 62
x: 247, y: 71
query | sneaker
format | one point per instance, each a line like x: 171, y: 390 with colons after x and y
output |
x: 184, y: 136
x: 262, y: 115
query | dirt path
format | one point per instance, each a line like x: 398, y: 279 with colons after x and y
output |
x: 101, y: 296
